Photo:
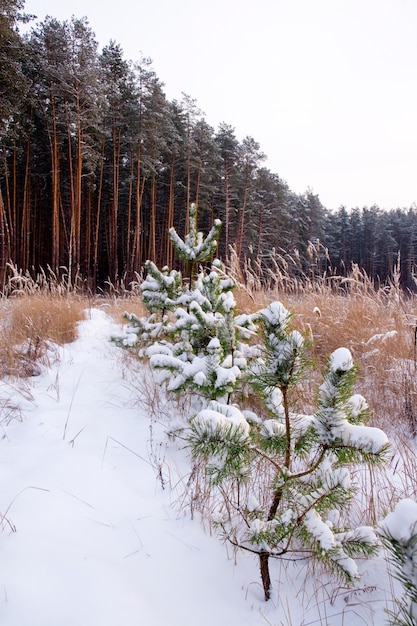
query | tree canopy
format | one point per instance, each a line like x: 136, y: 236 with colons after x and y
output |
x: 97, y: 165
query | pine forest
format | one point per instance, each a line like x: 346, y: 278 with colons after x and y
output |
x: 96, y: 165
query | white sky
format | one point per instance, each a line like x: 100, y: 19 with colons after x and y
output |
x: 327, y: 87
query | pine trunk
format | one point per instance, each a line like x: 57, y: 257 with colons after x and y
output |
x: 226, y: 210
x: 98, y: 211
x: 77, y: 203
x: 136, y: 247
x: 54, y: 149
x: 128, y: 244
x: 171, y: 205
x: 265, y: 576
x: 4, y: 242
x: 112, y: 222
x: 8, y: 221
x: 241, y: 224
x: 25, y: 223
x: 152, y: 222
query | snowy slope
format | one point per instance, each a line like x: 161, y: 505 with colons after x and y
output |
x: 91, y: 536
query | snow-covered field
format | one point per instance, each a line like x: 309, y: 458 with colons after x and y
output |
x: 93, y: 529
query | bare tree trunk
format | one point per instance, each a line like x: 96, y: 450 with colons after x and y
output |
x: 9, y: 225
x: 128, y: 261
x: 226, y: 209
x: 4, y: 242
x: 72, y: 211
x: 241, y: 224
x: 188, y: 168
x: 88, y: 231
x: 55, y: 202
x: 25, y: 228
x: 260, y: 226
x: 54, y: 150
x: 78, y: 198
x: 112, y: 222
x: 152, y: 222
x: 76, y: 191
x: 197, y: 185
x: 171, y: 205
x: 98, y: 211
x: 14, y: 204
x: 136, y: 257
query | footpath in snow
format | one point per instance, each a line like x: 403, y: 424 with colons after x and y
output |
x: 95, y: 539
x: 90, y: 534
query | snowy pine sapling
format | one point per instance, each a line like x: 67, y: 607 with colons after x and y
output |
x: 193, y: 335
x: 165, y: 291
x: 204, y: 354
x: 195, y: 248
x: 285, y: 479
x: 161, y: 288
x: 399, y: 535
x: 160, y: 292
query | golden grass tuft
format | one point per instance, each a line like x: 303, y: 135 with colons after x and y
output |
x: 40, y: 318
x: 30, y: 323
x: 380, y: 333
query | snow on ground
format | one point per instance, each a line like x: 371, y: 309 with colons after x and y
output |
x: 91, y: 536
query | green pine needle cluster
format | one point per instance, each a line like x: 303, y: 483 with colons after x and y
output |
x: 398, y: 532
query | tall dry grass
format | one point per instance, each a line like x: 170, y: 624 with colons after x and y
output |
x: 35, y: 312
x: 377, y: 323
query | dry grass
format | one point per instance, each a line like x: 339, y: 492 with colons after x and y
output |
x: 378, y: 325
x: 116, y: 306
x: 35, y: 312
x: 29, y: 324
x: 379, y: 330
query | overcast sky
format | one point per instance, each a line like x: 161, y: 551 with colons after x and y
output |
x: 327, y: 87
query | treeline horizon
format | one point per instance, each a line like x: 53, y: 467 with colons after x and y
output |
x: 96, y: 164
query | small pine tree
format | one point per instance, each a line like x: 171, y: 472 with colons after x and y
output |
x: 204, y: 354
x: 196, y: 341
x: 305, y: 460
x: 195, y: 248
x: 164, y: 291
x: 161, y: 288
x: 284, y: 478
